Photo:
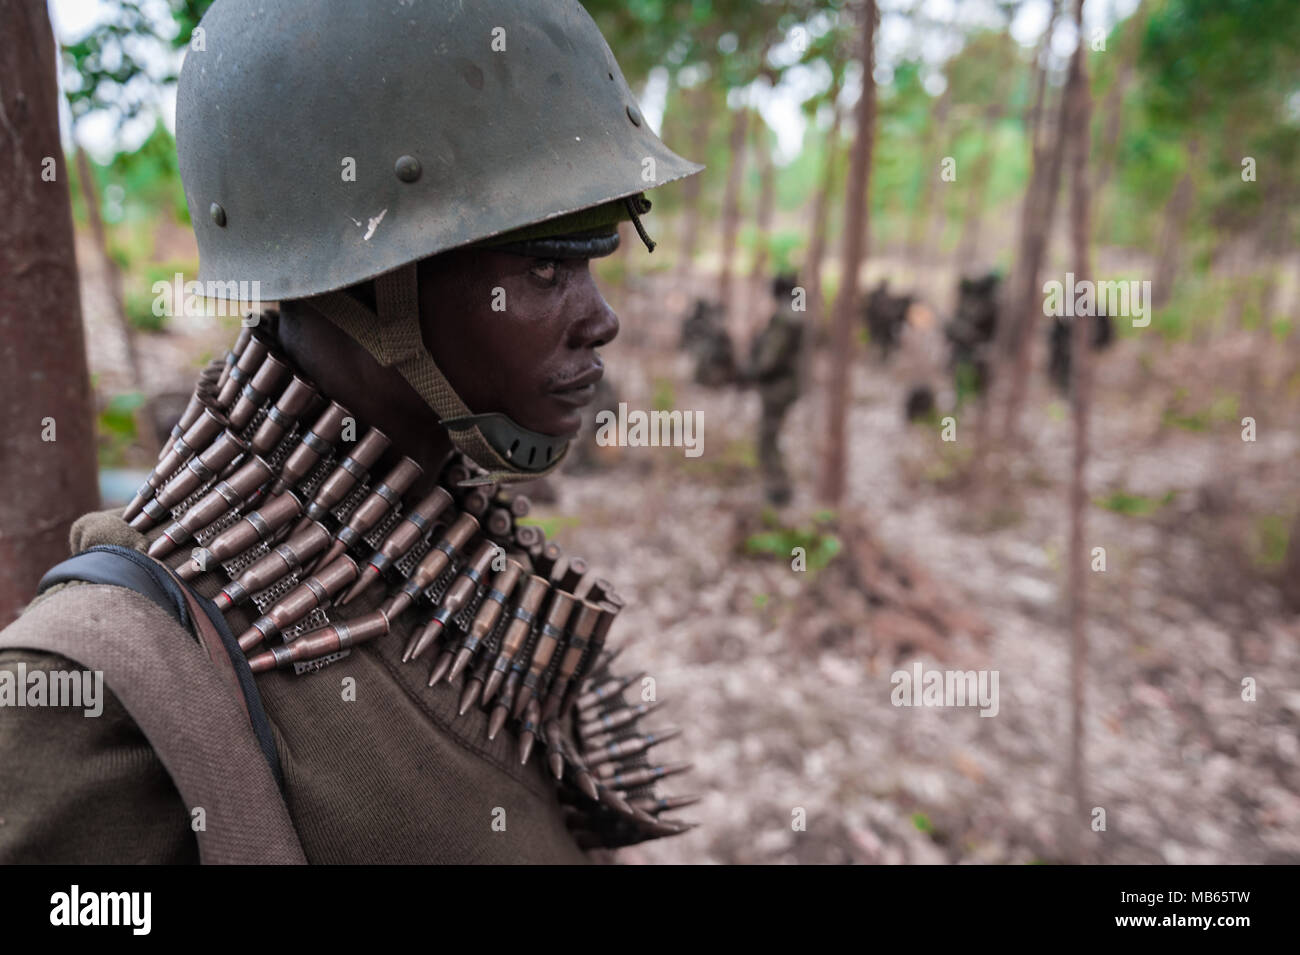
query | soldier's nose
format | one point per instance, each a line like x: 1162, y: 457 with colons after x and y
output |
x: 595, y: 323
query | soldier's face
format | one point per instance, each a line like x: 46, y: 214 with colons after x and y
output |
x: 516, y: 335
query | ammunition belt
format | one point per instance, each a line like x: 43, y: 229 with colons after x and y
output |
x: 305, y: 510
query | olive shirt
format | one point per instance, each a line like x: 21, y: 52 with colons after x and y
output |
x: 377, y: 766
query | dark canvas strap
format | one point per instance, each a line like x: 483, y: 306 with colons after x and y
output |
x: 195, y: 718
x: 123, y: 567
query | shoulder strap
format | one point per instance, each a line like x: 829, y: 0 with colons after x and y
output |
x: 124, y: 567
x: 187, y: 696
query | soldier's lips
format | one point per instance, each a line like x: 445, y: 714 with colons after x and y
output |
x: 577, y: 397
x: 580, y: 389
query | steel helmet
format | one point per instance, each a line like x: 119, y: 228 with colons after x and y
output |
x: 323, y: 143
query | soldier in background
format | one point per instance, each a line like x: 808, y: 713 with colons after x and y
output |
x: 705, y: 337
x: 1058, y: 342
x: 972, y: 331
x: 885, y: 316
x: 774, y: 367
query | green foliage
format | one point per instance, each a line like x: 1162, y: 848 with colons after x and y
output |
x: 965, y: 379
x: 1135, y: 505
x: 121, y: 65
x: 817, y: 539
x: 151, y: 178
x: 117, y: 427
x: 1221, y: 410
x: 665, y: 395
x: 140, y: 312
x: 551, y: 526
x: 1218, y: 77
x: 1270, y: 536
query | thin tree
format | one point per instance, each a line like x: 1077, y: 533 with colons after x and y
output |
x: 698, y: 104
x: 113, y: 278
x: 926, y: 227
x: 855, y: 247
x: 1024, y: 298
x: 812, y: 277
x: 1078, y: 130
x: 48, y: 443
x: 766, y: 202
x: 731, y: 204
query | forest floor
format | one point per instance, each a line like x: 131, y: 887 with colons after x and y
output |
x: 782, y: 679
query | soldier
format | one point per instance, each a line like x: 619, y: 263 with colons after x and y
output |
x: 704, y: 336
x: 774, y: 367
x: 323, y: 634
x: 1059, y: 345
x: 886, y: 315
x: 972, y: 331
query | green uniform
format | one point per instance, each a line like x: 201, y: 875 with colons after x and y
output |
x: 391, y: 776
x: 774, y: 366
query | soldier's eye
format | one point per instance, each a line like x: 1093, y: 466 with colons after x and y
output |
x: 545, y: 270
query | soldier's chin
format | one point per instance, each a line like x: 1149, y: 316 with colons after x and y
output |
x: 558, y: 419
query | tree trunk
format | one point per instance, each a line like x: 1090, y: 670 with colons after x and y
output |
x: 112, y: 273
x: 48, y: 447
x: 766, y: 201
x: 691, y: 187
x: 1025, y: 296
x: 1034, y: 119
x: 1113, y: 108
x: 1037, y: 133
x: 146, y: 428
x: 756, y: 294
x: 731, y: 206
x: 812, y: 276
x: 1177, y: 213
x: 1079, y: 132
x: 920, y: 243
x: 855, y: 247
x: 979, y: 186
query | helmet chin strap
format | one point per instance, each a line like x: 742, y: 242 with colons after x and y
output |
x: 509, y: 451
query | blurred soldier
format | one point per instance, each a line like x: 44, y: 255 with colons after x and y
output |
x: 1058, y: 343
x: 886, y: 316
x: 972, y: 330
x: 919, y: 403
x: 704, y: 336
x: 774, y: 367
x: 421, y: 189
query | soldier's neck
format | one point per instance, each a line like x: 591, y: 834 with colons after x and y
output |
x: 379, y: 397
